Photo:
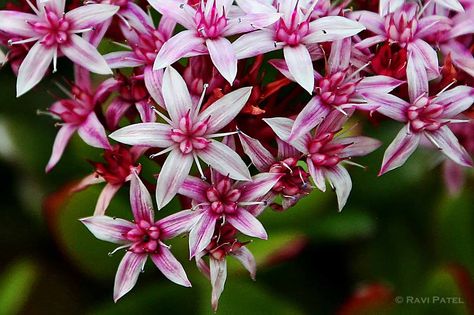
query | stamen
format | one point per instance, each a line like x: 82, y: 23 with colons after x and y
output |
x: 223, y: 134
x: 64, y: 90
x: 423, y: 9
x: 35, y: 10
x: 40, y: 112
x: 23, y: 41
x: 201, y: 99
x: 125, y: 21
x: 121, y: 45
x: 162, y: 115
x: 358, y: 70
x: 198, y: 164
x: 55, y: 61
x: 118, y: 248
x: 253, y: 203
x: 433, y: 140
x: 310, y: 10
x: 355, y: 164
x: 339, y: 109
x: 456, y: 121
x: 446, y: 87
x: 152, y: 156
x: 287, y: 166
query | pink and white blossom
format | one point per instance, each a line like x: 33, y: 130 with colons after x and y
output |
x: 142, y: 238
x: 187, y: 135
x: 55, y: 32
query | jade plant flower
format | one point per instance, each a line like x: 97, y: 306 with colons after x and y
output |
x: 142, y: 238
x: 188, y: 135
x: 55, y: 32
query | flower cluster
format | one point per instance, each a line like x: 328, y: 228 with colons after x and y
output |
x: 252, y: 97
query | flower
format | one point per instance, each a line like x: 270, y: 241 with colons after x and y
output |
x: 55, y: 31
x: 144, y: 41
x: 142, y: 238
x: 294, y: 32
x: 187, y: 135
x: 293, y: 184
x: 78, y: 114
x: 325, y: 152
x: 340, y: 89
x: 224, y: 243
x: 225, y: 200
x: 207, y: 26
x: 424, y: 115
x: 399, y: 22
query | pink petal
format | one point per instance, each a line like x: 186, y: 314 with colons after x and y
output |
x: 34, y: 67
x: 90, y: 15
x: 145, y: 111
x: 224, y: 110
x: 86, y: 55
x: 247, y: 260
x: 122, y: 59
x: 340, y: 55
x: 176, y: 48
x: 258, y: 154
x: 433, y: 23
x: 177, y: 10
x: 194, y: 188
x: 370, y: 41
x: 416, y: 77
x: 300, y: 66
x: 333, y: 122
x: 251, y: 6
x: 454, y: 5
x: 249, y: 22
x: 173, y: 173
x: 201, y: 234
x: 455, y: 101
x: 423, y: 52
x: 97, y: 34
x: 285, y: 150
x: 103, y: 91
x: 155, y: 135
x: 247, y: 224
x: 379, y: 83
x: 153, y: 83
x: 461, y: 56
x: 453, y: 177
x: 317, y: 175
x: 115, y: 111
x: 176, y: 95
x: 330, y: 28
x: 389, y: 105
x: 282, y: 128
x: 218, y: 270
x: 82, y: 78
x: 137, y: 18
x: 62, y: 139
x: 341, y: 181
x: 170, y: 267
x: 93, y: 133
x: 450, y: 146
x: 57, y: 6
x: 105, y: 197
x: 15, y: 23
x: 140, y: 200
x: 399, y: 150
x: 359, y: 146
x: 388, y: 6
x: 258, y: 186
x: 224, y: 160
x: 127, y: 274
x: 371, y: 20
x: 280, y: 65
x: 223, y: 57
x: 312, y: 114
x: 178, y: 223
x: 255, y: 43
x: 166, y: 26
x: 108, y: 229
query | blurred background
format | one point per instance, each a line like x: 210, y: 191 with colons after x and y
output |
x: 401, y: 238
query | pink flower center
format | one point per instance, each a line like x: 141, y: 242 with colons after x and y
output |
x: 323, y: 152
x: 190, y: 136
x: 75, y: 111
x: 295, y: 179
x: 333, y: 91
x: 148, y: 45
x: 401, y: 26
x: 424, y: 115
x: 223, y: 198
x: 145, y: 237
x: 210, y: 24
x: 291, y: 32
x: 224, y: 241
x: 55, y: 28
